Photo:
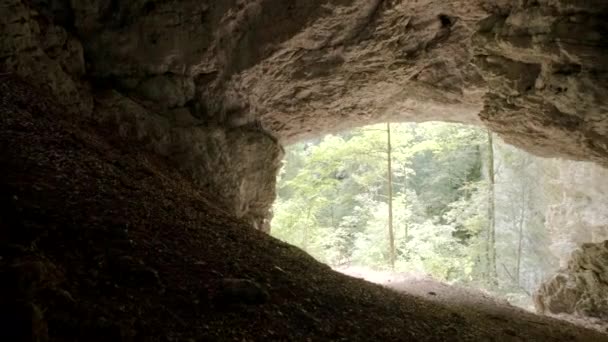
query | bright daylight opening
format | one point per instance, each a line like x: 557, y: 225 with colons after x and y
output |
x: 458, y: 206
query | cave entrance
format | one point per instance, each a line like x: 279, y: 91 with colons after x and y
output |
x: 459, y: 206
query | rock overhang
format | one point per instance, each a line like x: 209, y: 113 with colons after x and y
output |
x: 193, y: 78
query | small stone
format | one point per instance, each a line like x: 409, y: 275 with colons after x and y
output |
x: 240, y: 291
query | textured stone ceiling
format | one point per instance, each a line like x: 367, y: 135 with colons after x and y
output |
x: 533, y: 71
x: 207, y: 82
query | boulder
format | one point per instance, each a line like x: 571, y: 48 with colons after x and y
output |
x: 580, y: 289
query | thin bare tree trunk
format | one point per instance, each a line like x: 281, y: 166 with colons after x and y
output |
x: 391, y: 235
x: 520, y: 237
x: 305, y: 242
x: 406, y: 223
x: 491, y: 245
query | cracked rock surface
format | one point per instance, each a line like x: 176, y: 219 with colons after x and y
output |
x: 581, y: 288
x: 546, y: 67
x: 536, y: 72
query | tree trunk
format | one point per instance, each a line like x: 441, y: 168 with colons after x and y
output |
x: 520, y: 236
x: 491, y: 236
x: 406, y: 223
x: 391, y: 235
x: 305, y: 242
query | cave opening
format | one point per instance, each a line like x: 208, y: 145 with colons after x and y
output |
x: 458, y: 207
x: 140, y: 143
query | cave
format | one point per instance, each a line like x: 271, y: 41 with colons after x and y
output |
x: 140, y: 143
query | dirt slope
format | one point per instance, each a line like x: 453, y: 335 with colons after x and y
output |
x: 100, y: 242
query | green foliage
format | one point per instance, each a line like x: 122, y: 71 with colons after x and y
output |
x: 333, y: 202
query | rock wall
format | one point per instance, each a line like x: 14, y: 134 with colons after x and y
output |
x: 217, y: 86
x: 45, y: 54
x: 50, y: 44
x: 237, y: 166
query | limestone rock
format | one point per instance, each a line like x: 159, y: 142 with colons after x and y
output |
x: 218, y: 86
x: 580, y: 289
x: 239, y: 164
x: 545, y: 64
x: 579, y: 215
x: 362, y: 62
x: 43, y: 53
x: 169, y: 90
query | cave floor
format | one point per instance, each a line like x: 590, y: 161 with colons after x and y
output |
x: 101, y: 241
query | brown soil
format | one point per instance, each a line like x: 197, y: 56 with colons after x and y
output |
x: 101, y: 242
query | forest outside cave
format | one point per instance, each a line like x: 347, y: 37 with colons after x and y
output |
x: 458, y: 206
